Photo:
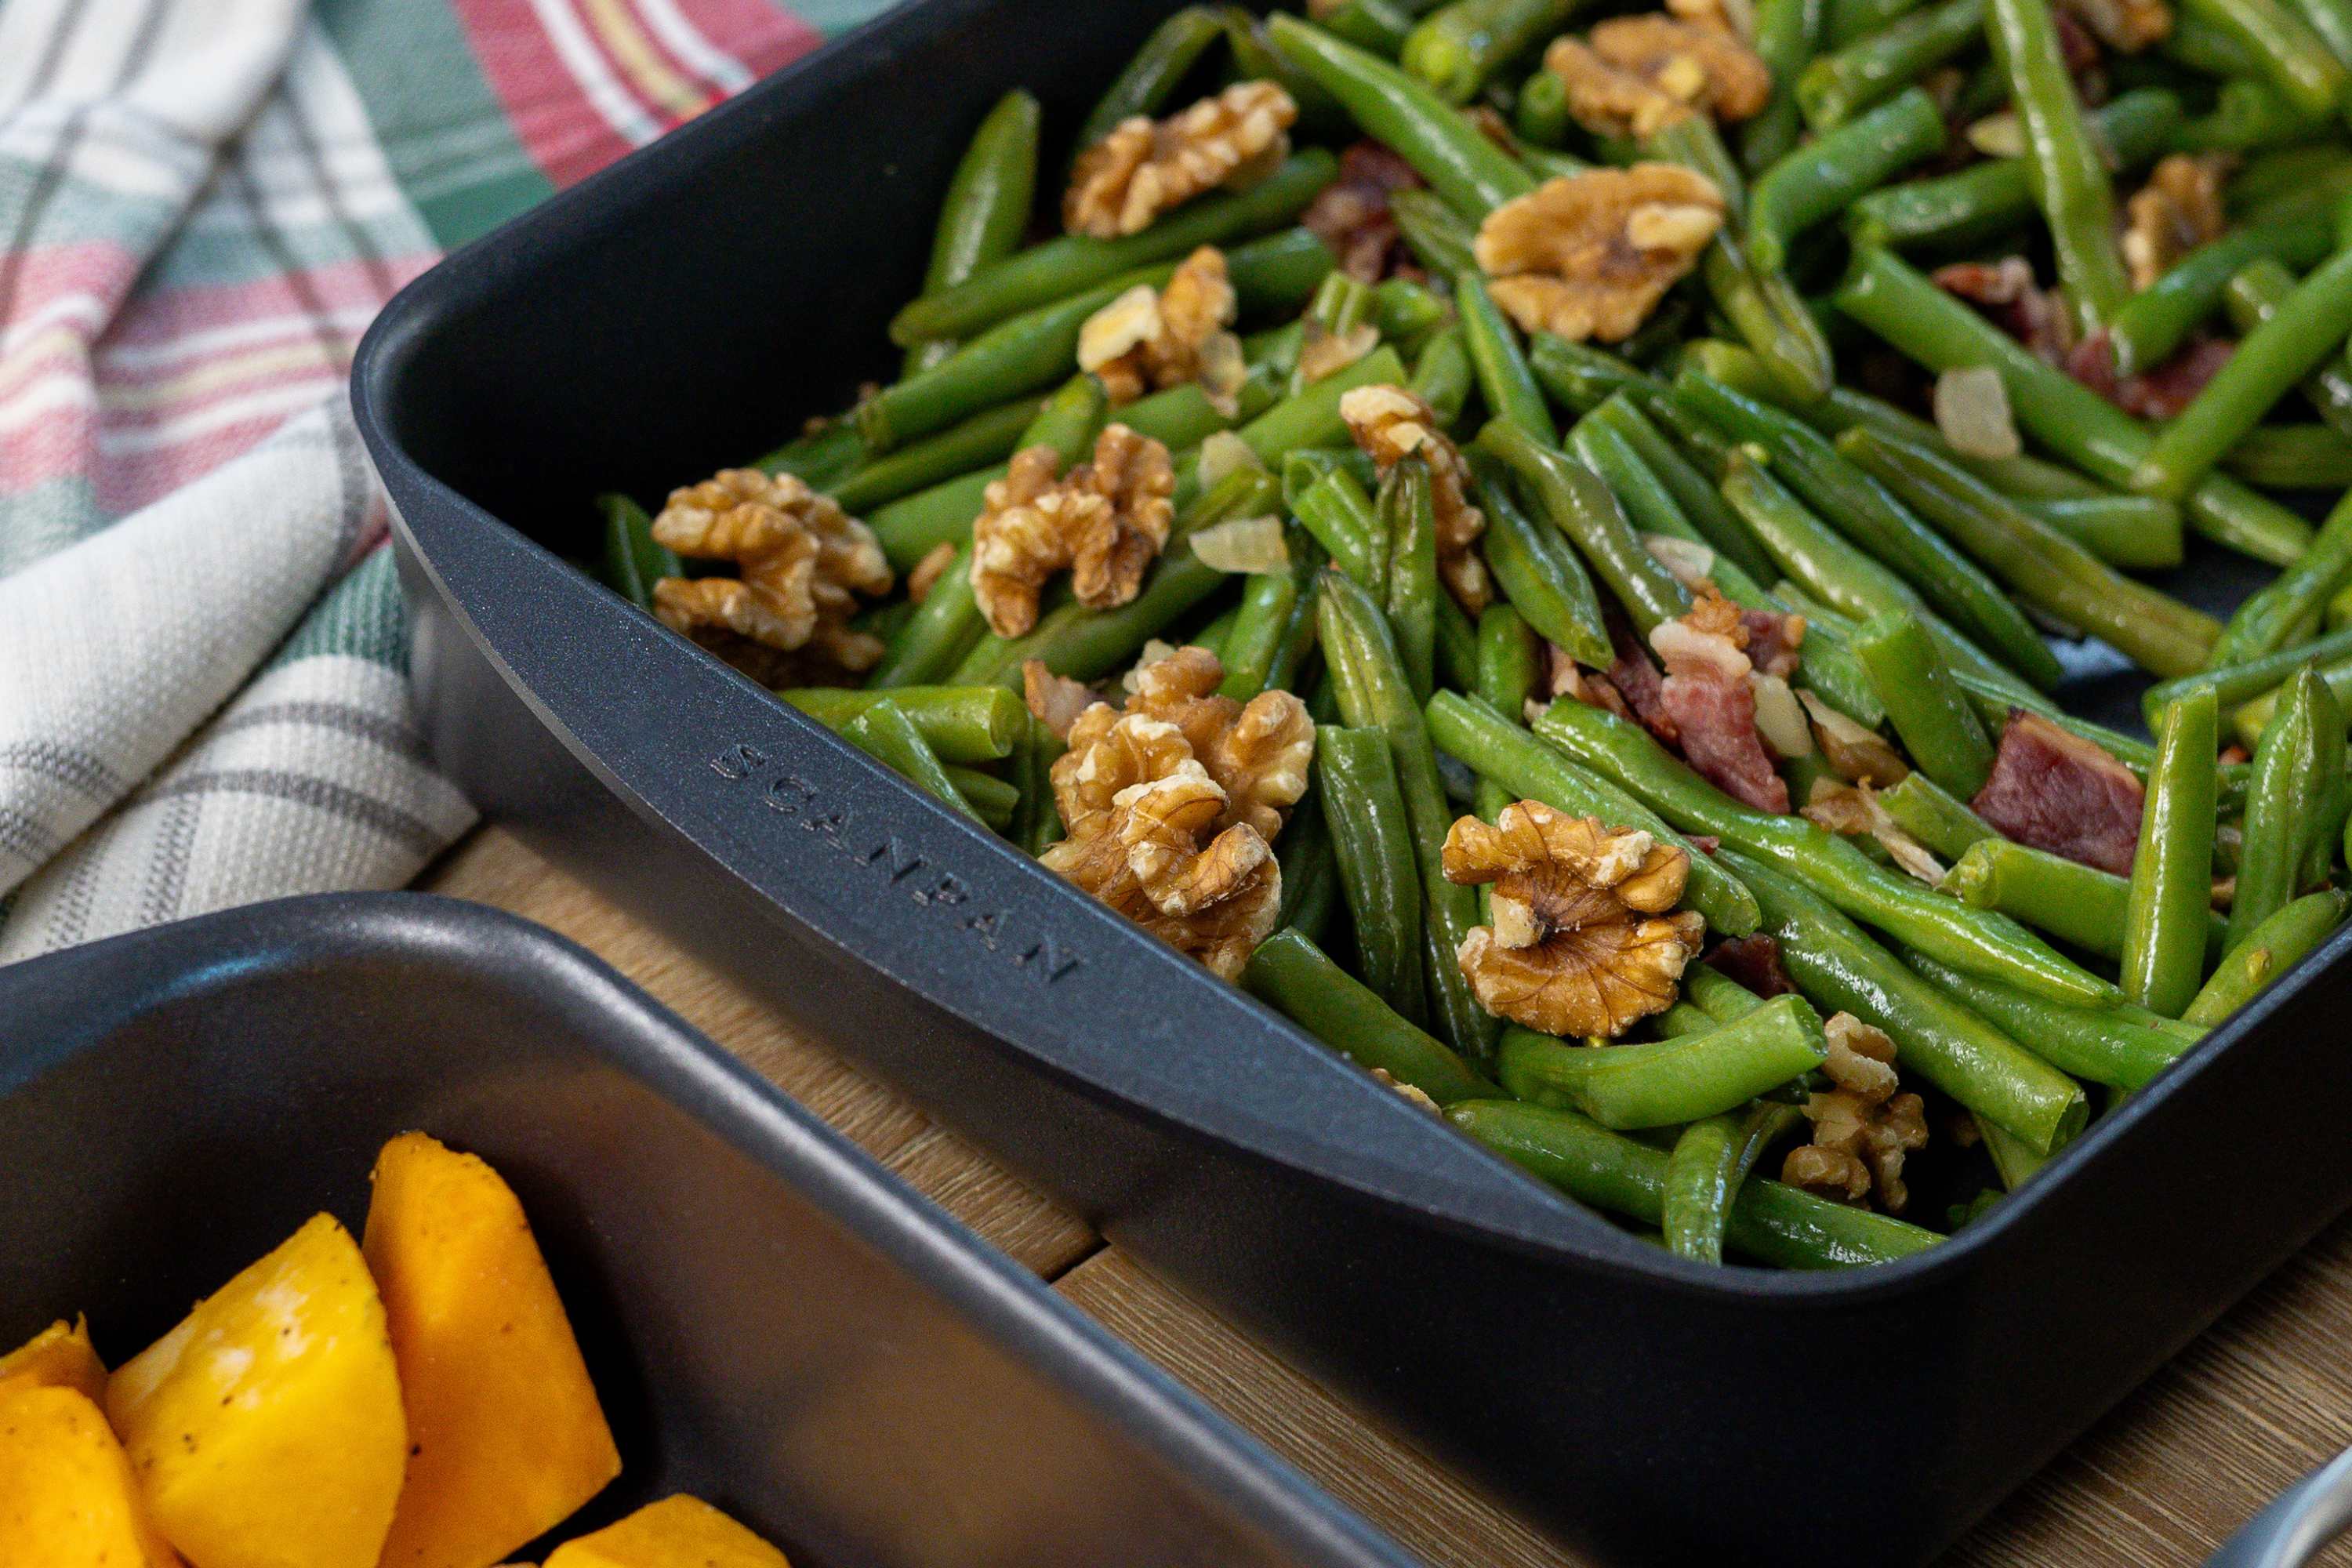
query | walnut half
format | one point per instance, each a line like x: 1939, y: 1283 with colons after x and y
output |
x: 2177, y: 210
x: 1124, y: 182
x: 1636, y: 73
x: 1590, y: 255
x: 1157, y: 337
x: 802, y: 562
x: 1582, y: 943
x: 1106, y: 521
x: 1171, y: 807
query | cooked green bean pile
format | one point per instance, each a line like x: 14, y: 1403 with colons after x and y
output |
x: 1541, y: 544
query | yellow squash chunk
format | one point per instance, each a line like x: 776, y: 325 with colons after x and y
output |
x: 506, y: 1438
x: 68, y: 1498
x: 678, y: 1532
x: 60, y: 1356
x: 266, y: 1429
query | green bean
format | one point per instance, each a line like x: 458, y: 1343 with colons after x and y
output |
x: 909, y: 529
x: 1835, y: 88
x: 1469, y: 171
x: 1575, y: 501
x: 1045, y: 274
x: 1459, y: 46
x: 1718, y: 995
x: 1510, y: 668
x: 2254, y: 295
x: 1434, y: 232
x: 2297, y: 766
x: 2062, y: 165
x: 1335, y: 509
x: 2172, y: 870
x: 1578, y: 376
x: 1768, y: 1222
x: 964, y: 724
x: 986, y: 437
x: 2311, y: 325
x: 2252, y: 720
x: 1974, y: 940
x: 2140, y: 532
x: 1928, y: 710
x: 2248, y: 116
x: 1376, y: 26
x: 933, y: 640
x: 1309, y: 872
x: 1085, y: 644
x: 2266, y: 953
x: 1986, y: 200
x: 2042, y: 566
x: 1410, y: 528
x: 2014, y: 1162
x: 2105, y: 1046
x: 1660, y: 1083
x: 1504, y: 378
x: 1766, y: 309
x: 2297, y: 456
x: 1407, y: 313
x: 1151, y: 77
x: 1300, y: 469
x: 887, y: 735
x: 1311, y: 418
x: 1541, y: 115
x: 1838, y: 966
x: 990, y: 798
x: 1269, y: 600
x: 1844, y: 21
x: 2073, y: 903
x: 1536, y: 571
x: 1862, y: 510
x: 2234, y: 685
x: 1708, y: 1167
x: 2285, y: 49
x: 2274, y: 616
x: 1372, y: 845
x: 1787, y: 32
x: 633, y: 561
x: 1821, y: 179
x: 1442, y: 375
x: 1923, y: 809
x: 1015, y: 356
x: 1893, y: 300
x: 1695, y: 495
x: 2208, y: 48
x: 1036, y: 820
x: 1291, y: 974
x: 2148, y: 326
x: 986, y: 208
x: 1457, y: 646
x: 1368, y: 675
x: 819, y: 457
x: 1493, y: 747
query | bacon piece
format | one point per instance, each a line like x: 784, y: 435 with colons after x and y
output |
x: 1634, y: 676
x: 2075, y: 43
x: 2005, y: 294
x: 1773, y: 640
x: 1755, y: 962
x: 1352, y: 215
x: 1705, y: 843
x: 1708, y: 697
x: 2055, y: 791
x: 2158, y: 394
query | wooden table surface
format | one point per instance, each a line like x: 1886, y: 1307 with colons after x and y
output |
x: 2263, y: 1397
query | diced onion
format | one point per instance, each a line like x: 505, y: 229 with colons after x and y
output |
x: 1223, y: 455
x: 1778, y: 718
x: 1998, y: 135
x: 1245, y: 545
x: 1972, y: 411
x: 1686, y: 561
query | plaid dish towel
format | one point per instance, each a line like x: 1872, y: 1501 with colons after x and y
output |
x: 204, y: 659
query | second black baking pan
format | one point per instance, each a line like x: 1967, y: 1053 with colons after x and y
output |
x: 671, y: 315
x: 774, y: 1322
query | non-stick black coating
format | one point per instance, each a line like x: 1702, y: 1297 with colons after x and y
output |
x: 682, y: 310
x: 773, y: 1321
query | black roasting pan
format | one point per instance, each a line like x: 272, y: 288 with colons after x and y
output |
x: 774, y: 1322
x: 672, y: 315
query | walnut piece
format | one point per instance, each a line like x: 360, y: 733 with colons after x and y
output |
x: 1124, y: 182
x: 1390, y: 424
x: 1171, y: 805
x: 1590, y: 255
x: 1106, y: 521
x: 1054, y: 701
x: 2177, y: 210
x: 1635, y: 74
x: 802, y: 563
x: 1570, y: 951
x: 1862, y: 1128
x: 1854, y: 808
x: 1152, y: 338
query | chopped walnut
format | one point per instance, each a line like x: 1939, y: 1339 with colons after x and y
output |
x: 2127, y: 26
x: 1590, y: 255
x: 1700, y: 68
x: 1352, y: 213
x: 1325, y: 352
x: 925, y: 572
x: 1862, y: 1128
x: 2177, y: 210
x: 1570, y: 951
x: 802, y: 563
x: 1408, y: 1092
x: 1854, y: 808
x: 1140, y: 169
x: 1171, y: 805
x: 1390, y: 424
x: 1105, y: 520
x: 1054, y: 701
x: 1148, y: 339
